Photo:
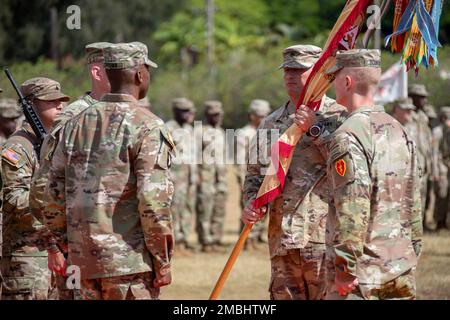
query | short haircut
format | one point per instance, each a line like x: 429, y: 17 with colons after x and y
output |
x: 366, y: 79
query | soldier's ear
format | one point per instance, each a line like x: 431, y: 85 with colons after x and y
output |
x: 139, y: 76
x: 348, y: 82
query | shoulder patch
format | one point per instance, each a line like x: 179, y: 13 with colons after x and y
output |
x: 11, y: 156
x: 341, y: 167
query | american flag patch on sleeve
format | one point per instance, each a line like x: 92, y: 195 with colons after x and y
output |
x: 11, y: 155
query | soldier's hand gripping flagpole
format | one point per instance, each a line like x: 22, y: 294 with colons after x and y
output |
x: 342, y: 37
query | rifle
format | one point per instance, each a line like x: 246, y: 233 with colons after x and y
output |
x: 31, y: 116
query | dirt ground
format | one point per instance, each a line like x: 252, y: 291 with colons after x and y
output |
x: 194, y: 277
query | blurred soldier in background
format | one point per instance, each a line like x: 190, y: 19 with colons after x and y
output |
x: 212, y: 174
x: 99, y: 86
x: 9, y: 115
x: 443, y: 194
x: 403, y: 112
x: 115, y: 159
x: 183, y: 172
x: 257, y: 111
x: 433, y: 180
x: 24, y: 263
x: 421, y: 134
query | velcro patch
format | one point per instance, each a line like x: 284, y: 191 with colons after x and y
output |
x: 11, y: 155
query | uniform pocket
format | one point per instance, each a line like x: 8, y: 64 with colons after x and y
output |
x: 18, y: 285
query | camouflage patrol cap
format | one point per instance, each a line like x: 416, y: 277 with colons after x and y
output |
x: 182, y: 104
x: 126, y: 55
x: 94, y: 51
x: 213, y: 107
x: 43, y: 89
x: 418, y: 90
x: 356, y: 58
x: 260, y: 108
x: 405, y: 104
x: 9, y: 109
x: 445, y: 111
x: 430, y: 111
x: 300, y: 56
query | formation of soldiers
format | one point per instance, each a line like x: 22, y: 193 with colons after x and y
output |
x: 114, y: 191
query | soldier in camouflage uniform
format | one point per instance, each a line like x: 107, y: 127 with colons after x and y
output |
x: 443, y: 196
x: 109, y: 190
x: 434, y: 179
x: 183, y: 172
x: 421, y: 134
x: 9, y: 114
x: 99, y: 86
x: 212, y: 185
x: 297, y: 217
x: 403, y: 112
x: 374, y: 227
x: 258, y: 110
x: 24, y: 263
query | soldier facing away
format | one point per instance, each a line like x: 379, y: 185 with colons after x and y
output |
x: 99, y: 86
x: 374, y: 227
x: 298, y: 216
x: 109, y: 190
x: 24, y: 263
x: 183, y: 172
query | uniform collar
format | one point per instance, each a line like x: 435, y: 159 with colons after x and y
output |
x: 375, y: 108
x: 87, y: 97
x: 289, y: 108
x: 118, y: 97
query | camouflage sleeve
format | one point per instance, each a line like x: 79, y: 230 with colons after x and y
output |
x: 54, y: 203
x: 40, y: 177
x: 155, y: 189
x: 38, y: 188
x: 17, y: 170
x: 258, y: 162
x: 349, y: 175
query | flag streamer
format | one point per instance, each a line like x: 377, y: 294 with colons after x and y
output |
x: 415, y: 33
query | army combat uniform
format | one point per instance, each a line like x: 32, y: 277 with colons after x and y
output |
x: 94, y: 53
x: 109, y: 192
x: 421, y: 134
x: 24, y: 263
x: 374, y: 227
x: 8, y: 110
x: 298, y: 216
x: 245, y: 135
x: 183, y: 173
x: 212, y: 185
x: 443, y: 201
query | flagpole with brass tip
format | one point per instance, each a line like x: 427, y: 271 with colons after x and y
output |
x: 230, y: 263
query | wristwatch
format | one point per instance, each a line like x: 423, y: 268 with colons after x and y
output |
x: 316, y: 130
